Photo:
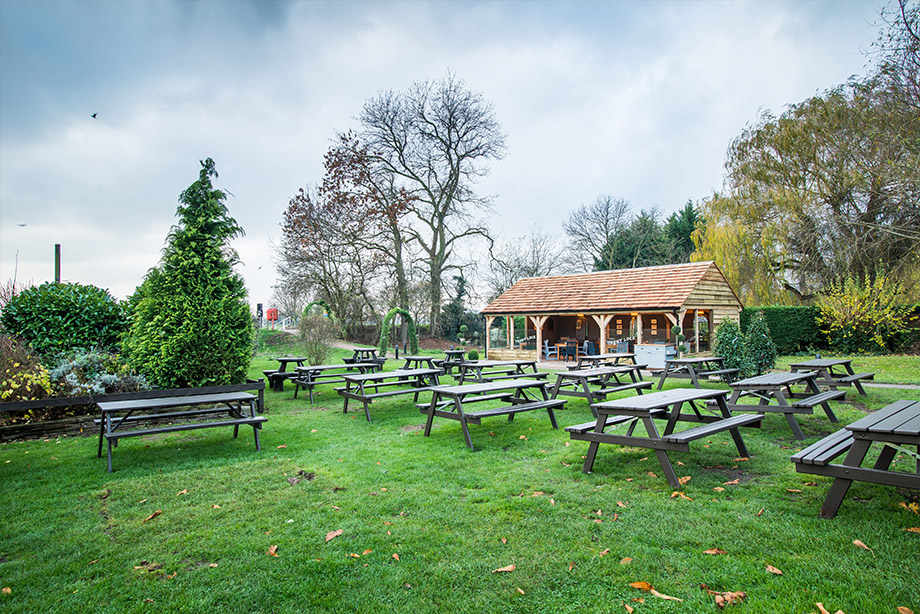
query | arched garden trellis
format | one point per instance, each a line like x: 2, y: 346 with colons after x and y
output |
x: 385, y: 331
x: 322, y: 303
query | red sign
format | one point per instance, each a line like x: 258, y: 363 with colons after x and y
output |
x: 271, y: 315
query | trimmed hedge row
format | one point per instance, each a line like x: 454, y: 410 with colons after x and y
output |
x: 793, y: 329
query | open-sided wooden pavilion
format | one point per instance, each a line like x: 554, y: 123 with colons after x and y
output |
x: 639, y: 306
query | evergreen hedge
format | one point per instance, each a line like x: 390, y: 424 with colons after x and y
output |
x: 793, y: 329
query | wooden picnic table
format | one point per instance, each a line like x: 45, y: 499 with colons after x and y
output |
x: 830, y: 376
x: 595, y: 360
x: 308, y: 376
x: 452, y: 358
x: 595, y: 384
x: 694, y: 368
x: 186, y: 411
x: 418, y: 362
x: 366, y: 387
x: 892, y: 427
x: 777, y: 387
x: 452, y: 402
x: 662, y: 405
x: 277, y: 377
x: 364, y: 355
x: 486, y: 370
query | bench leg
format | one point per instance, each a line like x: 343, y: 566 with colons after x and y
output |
x: 367, y: 410
x: 830, y: 413
x: 839, y: 488
x: 466, y: 432
x: 236, y: 430
x: 109, y: 442
x: 739, y: 443
x: 885, y: 458
x: 552, y: 418
x: 794, y: 425
x: 589, y: 457
x: 255, y: 432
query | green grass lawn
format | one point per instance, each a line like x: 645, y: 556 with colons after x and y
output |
x: 74, y: 538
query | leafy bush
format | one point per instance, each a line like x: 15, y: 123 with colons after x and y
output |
x: 473, y: 355
x: 792, y: 328
x: 316, y: 336
x: 191, y: 324
x: 22, y: 376
x: 58, y: 317
x: 729, y: 344
x: 94, y: 372
x: 759, y: 349
x: 863, y: 317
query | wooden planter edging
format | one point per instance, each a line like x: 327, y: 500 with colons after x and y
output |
x: 35, y: 430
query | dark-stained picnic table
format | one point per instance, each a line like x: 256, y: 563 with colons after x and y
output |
x: 418, y: 362
x: 592, y: 361
x: 491, y: 370
x: 666, y: 406
x: 595, y: 384
x: 309, y: 376
x: 277, y: 377
x: 452, y: 402
x: 366, y: 387
x: 364, y: 355
x: 695, y: 368
x: 187, y: 409
x: 830, y: 374
x: 892, y: 428
x: 777, y: 387
x: 452, y: 358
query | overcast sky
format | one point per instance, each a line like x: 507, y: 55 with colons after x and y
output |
x: 639, y: 100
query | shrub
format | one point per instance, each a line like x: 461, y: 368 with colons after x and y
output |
x: 58, y: 317
x: 759, y: 349
x: 191, y: 324
x: 316, y: 336
x: 792, y: 328
x: 22, y: 376
x: 729, y: 344
x: 473, y: 355
x: 863, y: 317
x: 94, y: 372
x: 386, y: 333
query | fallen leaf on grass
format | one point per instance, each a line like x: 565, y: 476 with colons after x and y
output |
x: 333, y: 534
x: 281, y: 446
x: 6, y: 590
x: 683, y: 481
x: 903, y: 610
x: 355, y: 556
x: 714, y: 551
x: 773, y: 569
x: 740, y: 459
x: 680, y: 494
x: 650, y: 474
x: 313, y: 430
x: 912, y: 529
x: 153, y: 515
x: 629, y: 609
x: 184, y: 491
x: 625, y: 560
x: 396, y: 556
x: 366, y: 552
x: 732, y: 482
x: 760, y: 512
x: 821, y: 608
x: 859, y: 544
x: 914, y: 507
x: 273, y: 550
x: 504, y: 540
x: 215, y: 506
x: 505, y: 569
x: 719, y: 489
x: 148, y: 566
x: 620, y: 504
x: 213, y: 565
x: 571, y: 565
x: 793, y: 490
x: 537, y: 493
x: 645, y: 586
x: 603, y: 552
x: 724, y: 598
x: 524, y: 437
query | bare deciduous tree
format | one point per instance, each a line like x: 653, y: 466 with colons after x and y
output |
x: 590, y: 228
x: 536, y: 255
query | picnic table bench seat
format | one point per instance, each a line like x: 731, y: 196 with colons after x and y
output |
x: 623, y: 387
x: 825, y: 450
x: 515, y: 408
x: 276, y: 378
x: 590, y: 426
x: 711, y: 428
x: 494, y: 378
x: 856, y: 377
x: 817, y: 399
x: 502, y: 396
x: 719, y: 372
x: 188, y: 426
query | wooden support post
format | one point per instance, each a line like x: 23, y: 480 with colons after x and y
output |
x: 538, y: 322
x: 602, y: 322
x: 489, y: 320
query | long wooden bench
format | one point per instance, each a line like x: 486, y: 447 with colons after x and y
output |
x: 590, y: 426
x: 637, y: 386
x: 823, y: 451
x: 818, y: 399
x: 515, y: 408
x: 367, y: 398
x: 856, y: 380
x: 505, y: 396
x: 711, y: 428
x: 496, y: 378
x: 731, y: 373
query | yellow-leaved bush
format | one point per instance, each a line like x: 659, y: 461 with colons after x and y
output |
x: 22, y: 376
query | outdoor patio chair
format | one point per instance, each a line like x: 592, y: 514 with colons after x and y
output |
x: 570, y: 350
x: 550, y: 352
x: 589, y: 349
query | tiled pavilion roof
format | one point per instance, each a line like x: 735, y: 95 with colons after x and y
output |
x: 664, y: 287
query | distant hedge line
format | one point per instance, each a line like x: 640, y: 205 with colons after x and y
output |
x: 795, y: 329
